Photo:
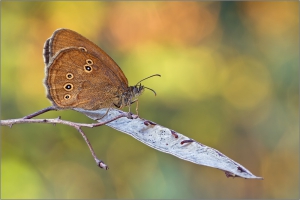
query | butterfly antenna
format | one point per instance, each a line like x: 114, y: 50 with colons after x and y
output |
x: 151, y: 90
x: 147, y: 78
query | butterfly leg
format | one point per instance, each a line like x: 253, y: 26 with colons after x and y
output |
x: 104, y: 114
x: 137, y: 106
x: 129, y: 108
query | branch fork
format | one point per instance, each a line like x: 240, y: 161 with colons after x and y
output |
x: 58, y: 120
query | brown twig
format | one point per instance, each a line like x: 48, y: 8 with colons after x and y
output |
x: 77, y: 126
x: 40, y: 112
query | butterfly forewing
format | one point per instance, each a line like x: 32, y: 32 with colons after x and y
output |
x: 65, y: 38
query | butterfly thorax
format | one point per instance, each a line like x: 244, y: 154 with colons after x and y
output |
x: 129, y: 96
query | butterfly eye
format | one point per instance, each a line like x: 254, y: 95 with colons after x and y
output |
x: 68, y: 86
x: 69, y: 76
x: 88, y: 68
x: 67, y: 96
x: 82, y: 49
x: 89, y: 62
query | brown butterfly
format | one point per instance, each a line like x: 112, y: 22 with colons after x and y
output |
x: 79, y: 74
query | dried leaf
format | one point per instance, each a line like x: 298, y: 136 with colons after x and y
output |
x: 169, y: 141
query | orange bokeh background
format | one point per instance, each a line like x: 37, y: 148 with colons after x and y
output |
x: 230, y: 75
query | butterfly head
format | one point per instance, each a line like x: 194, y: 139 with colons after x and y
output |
x: 133, y: 92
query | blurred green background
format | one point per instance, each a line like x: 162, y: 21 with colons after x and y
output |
x: 229, y: 80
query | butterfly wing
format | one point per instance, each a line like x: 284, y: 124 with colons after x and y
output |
x: 80, y: 79
x: 65, y: 38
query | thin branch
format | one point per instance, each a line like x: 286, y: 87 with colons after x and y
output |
x: 27, y: 119
x: 40, y: 112
x: 11, y: 122
x: 99, y: 163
